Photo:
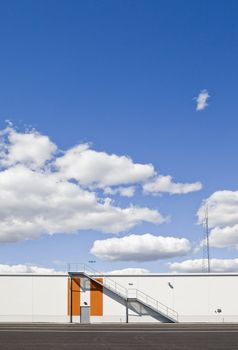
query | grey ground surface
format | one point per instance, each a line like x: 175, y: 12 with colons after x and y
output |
x: 114, y: 337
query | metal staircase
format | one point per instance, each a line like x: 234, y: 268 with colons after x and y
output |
x: 129, y: 295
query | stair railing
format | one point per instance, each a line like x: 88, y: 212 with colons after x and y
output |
x: 150, y: 301
x: 121, y: 290
x: 93, y: 274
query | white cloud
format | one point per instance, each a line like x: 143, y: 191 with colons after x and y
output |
x: 165, y: 184
x: 33, y: 203
x: 223, y: 218
x: 201, y: 100
x: 99, y: 169
x: 129, y: 271
x: 114, y: 173
x: 42, y: 192
x: 222, y: 237
x: 36, y: 200
x: 196, y: 265
x: 146, y: 247
x: 19, y: 268
x: 222, y: 207
x: 122, y: 191
x: 31, y: 149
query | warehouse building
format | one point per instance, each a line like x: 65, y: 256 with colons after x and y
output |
x: 82, y: 295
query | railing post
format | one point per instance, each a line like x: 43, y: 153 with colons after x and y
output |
x: 71, y: 301
x: 127, y: 313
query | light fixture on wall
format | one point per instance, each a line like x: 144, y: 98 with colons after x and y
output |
x: 170, y: 285
x: 218, y: 311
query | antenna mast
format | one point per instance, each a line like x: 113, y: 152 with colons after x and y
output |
x: 207, y: 241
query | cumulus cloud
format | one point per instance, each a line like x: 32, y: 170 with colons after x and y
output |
x: 122, y: 191
x: 197, y: 265
x: 222, y: 237
x: 36, y: 199
x: 31, y: 149
x: 36, y: 203
x: 19, y: 268
x: 146, y: 247
x: 99, y: 169
x: 222, y: 207
x: 165, y: 184
x: 129, y: 271
x: 201, y: 100
x: 47, y: 191
x: 223, y: 218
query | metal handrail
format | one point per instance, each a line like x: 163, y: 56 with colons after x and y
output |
x: 123, y: 291
x: 158, y: 305
x: 107, y: 281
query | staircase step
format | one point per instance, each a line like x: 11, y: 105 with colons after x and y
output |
x: 115, y: 287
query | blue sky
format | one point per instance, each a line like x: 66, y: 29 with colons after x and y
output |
x: 123, y: 76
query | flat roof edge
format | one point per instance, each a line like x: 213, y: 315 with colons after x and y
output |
x: 66, y: 274
x: 34, y: 274
x: 162, y: 274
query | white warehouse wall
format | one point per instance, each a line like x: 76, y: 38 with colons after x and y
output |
x: 31, y: 298
x: 196, y: 298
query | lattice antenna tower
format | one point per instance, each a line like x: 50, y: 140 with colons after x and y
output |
x: 206, y: 245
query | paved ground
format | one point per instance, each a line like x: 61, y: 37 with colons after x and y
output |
x: 115, y: 337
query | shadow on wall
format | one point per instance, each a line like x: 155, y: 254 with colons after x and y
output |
x: 140, y: 310
x: 136, y: 310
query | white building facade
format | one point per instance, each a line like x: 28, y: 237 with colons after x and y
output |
x: 83, y: 297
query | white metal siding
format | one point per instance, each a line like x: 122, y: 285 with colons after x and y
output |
x: 195, y: 297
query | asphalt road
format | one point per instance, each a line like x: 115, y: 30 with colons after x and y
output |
x: 115, y: 337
